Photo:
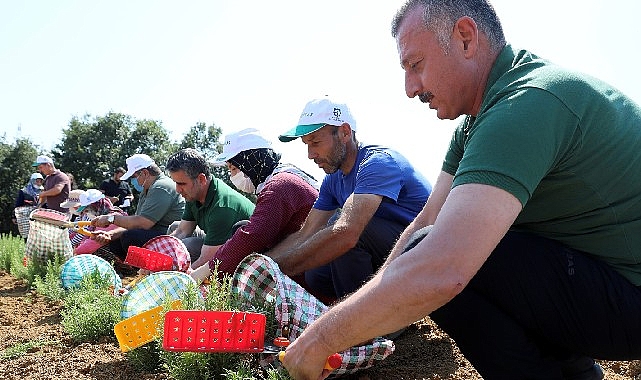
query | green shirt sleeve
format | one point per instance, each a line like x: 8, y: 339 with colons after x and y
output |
x: 157, y: 203
x: 187, y: 213
x: 514, y: 144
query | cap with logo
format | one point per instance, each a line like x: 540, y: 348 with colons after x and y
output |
x: 42, y: 160
x: 317, y: 114
x: 73, y: 199
x: 135, y: 163
x: 88, y: 197
x: 240, y: 141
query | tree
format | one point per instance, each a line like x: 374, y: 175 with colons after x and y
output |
x: 16, y: 160
x: 151, y: 138
x: 206, y: 141
x: 91, y: 149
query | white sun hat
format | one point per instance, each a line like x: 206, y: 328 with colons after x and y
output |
x: 249, y: 138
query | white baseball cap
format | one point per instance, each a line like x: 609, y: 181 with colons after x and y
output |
x: 73, y: 199
x: 42, y: 160
x: 317, y: 114
x: 240, y: 141
x: 135, y: 163
x: 90, y: 196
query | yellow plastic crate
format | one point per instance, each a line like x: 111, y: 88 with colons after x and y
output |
x: 142, y: 328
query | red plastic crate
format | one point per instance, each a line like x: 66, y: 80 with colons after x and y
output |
x: 50, y: 214
x: 214, y: 331
x: 147, y: 259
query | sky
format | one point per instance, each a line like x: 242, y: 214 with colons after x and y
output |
x: 240, y: 64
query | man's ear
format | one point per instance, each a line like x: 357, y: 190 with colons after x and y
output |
x: 345, y: 131
x: 466, y: 34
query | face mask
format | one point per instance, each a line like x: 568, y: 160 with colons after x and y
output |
x: 136, y: 185
x: 242, y: 182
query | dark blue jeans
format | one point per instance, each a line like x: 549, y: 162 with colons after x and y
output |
x: 539, y: 310
x: 348, y: 272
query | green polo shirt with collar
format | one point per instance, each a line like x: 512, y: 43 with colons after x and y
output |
x: 566, y: 145
x: 223, y: 207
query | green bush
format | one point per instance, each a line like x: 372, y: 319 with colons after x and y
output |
x: 193, y: 365
x: 12, y: 261
x: 91, y: 310
x: 11, y: 252
x: 51, y: 286
x: 147, y: 357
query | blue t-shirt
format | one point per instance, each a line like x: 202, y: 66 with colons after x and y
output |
x: 381, y: 171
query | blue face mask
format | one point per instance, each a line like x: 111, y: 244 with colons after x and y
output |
x: 136, y: 185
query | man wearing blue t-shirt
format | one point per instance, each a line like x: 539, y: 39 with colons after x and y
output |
x: 368, y: 197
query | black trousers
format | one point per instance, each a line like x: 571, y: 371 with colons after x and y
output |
x: 136, y: 237
x: 539, y: 310
x: 351, y: 270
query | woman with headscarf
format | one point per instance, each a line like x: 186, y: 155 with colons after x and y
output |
x: 285, y: 194
x: 28, y: 195
x: 26, y: 201
x: 92, y: 203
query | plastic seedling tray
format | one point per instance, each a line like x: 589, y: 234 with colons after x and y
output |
x: 147, y: 259
x: 214, y: 331
x: 141, y: 329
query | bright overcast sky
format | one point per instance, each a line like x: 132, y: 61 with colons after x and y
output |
x: 241, y: 64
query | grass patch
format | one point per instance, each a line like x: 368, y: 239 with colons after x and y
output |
x: 12, y: 260
x: 17, y: 350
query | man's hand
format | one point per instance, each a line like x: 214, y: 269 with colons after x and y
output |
x: 304, y: 361
x: 102, y: 237
x: 201, y: 274
x: 100, y: 221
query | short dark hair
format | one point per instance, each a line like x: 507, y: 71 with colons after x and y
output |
x: 190, y: 161
x: 120, y: 169
x: 439, y: 16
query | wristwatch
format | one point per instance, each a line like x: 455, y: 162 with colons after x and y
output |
x: 110, y: 218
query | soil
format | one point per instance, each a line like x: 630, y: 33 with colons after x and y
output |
x: 423, y: 351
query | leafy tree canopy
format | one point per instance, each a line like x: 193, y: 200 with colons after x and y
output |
x: 92, y: 147
x: 15, y: 170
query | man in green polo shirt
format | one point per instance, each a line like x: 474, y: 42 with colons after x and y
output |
x: 528, y: 251
x: 211, y: 205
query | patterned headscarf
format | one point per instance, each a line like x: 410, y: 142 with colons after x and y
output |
x: 102, y: 206
x: 31, y: 188
x: 257, y: 164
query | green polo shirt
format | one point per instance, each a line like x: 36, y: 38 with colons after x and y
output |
x: 567, y: 146
x: 161, y: 203
x: 223, y: 207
